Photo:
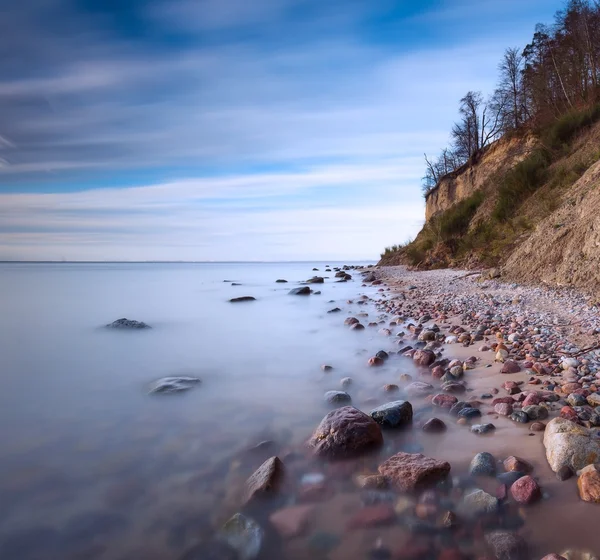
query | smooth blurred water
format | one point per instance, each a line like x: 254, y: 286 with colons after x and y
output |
x: 77, y: 426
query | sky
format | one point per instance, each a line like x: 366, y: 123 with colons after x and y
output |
x: 266, y: 130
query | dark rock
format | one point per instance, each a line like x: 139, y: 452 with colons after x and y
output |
x: 434, y: 426
x: 483, y: 464
x: 509, y: 478
x: 334, y: 310
x: 303, y: 291
x: 170, y: 385
x: 316, y: 280
x: 281, y: 281
x: 519, y: 416
x: 457, y: 407
x: 265, y: 481
x: 393, y: 414
x: 483, y: 428
x: 242, y: 298
x: 382, y: 355
x: 345, y: 432
x: 424, y: 357
x: 469, y: 413
x: 564, y: 473
x: 127, y: 324
x: 337, y: 397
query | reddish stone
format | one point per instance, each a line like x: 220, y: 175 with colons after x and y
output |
x: 424, y: 357
x: 502, y: 492
x: 372, y: 516
x: 569, y: 388
x: 539, y: 368
x: 526, y: 490
x: 553, y: 556
x: 444, y: 400
x: 345, y: 432
x: 504, y: 409
x: 412, y: 471
x: 291, y: 521
x: 511, y: 387
x: 568, y: 413
x: 513, y: 463
x: 532, y: 398
x: 510, y: 366
x: 507, y: 400
x: 537, y: 427
x: 437, y: 372
x: 434, y: 426
x: 375, y: 361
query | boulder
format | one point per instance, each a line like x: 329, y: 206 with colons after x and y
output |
x: 393, y: 414
x: 265, y: 480
x: 413, y: 471
x: 127, y: 324
x: 345, y: 432
x: 170, y: 385
x: 569, y: 444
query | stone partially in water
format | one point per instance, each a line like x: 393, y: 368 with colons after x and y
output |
x: 434, y: 426
x: 244, y: 535
x: 241, y: 299
x: 507, y: 545
x: 477, y: 502
x: 169, y: 385
x: 345, y: 432
x: 483, y: 464
x: 127, y: 324
x: 303, y: 291
x: 393, y: 414
x: 337, y: 397
x: 526, y: 490
x: 588, y: 484
x: 412, y: 471
x: 265, y: 481
x: 568, y: 444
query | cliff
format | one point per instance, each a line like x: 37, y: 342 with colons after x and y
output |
x: 529, y: 206
x: 499, y: 156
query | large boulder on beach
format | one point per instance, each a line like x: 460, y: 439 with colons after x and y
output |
x: 393, y: 414
x: 413, y: 471
x: 569, y: 444
x: 345, y: 432
x: 127, y: 324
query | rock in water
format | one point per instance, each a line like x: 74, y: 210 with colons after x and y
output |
x: 127, y: 324
x: 413, y: 471
x: 393, y: 414
x: 316, y: 280
x: 568, y: 444
x: 303, y: 291
x: 345, y: 432
x: 169, y: 385
x: 281, y: 281
x: 265, y: 481
x: 477, y: 502
x: 507, y: 545
x: 424, y: 357
x: 242, y: 298
x: 337, y: 397
x: 483, y: 464
x: 526, y: 490
x: 243, y: 535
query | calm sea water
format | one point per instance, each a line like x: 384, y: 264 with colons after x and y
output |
x: 92, y: 465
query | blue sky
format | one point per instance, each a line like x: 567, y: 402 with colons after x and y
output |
x: 233, y: 129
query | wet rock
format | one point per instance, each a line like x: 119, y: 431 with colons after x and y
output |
x: 375, y: 361
x: 477, y: 502
x: 316, y: 280
x: 588, y: 484
x: 391, y: 388
x: 302, y: 291
x: 569, y: 444
x: 170, y: 385
x: 326, y: 367
x: 519, y: 416
x: 244, y: 535
x: 513, y: 463
x: 408, y: 471
x: 345, y: 432
x: 526, y: 490
x: 444, y: 401
x: 536, y: 412
x: 127, y: 324
x: 434, y: 426
x: 457, y: 407
x: 418, y: 389
x: 281, y: 281
x: 291, y: 521
x: 469, y: 412
x: 382, y: 355
x: 350, y: 321
x: 564, y: 473
x: 372, y: 516
x: 265, y: 481
x: 424, y: 357
x: 482, y: 428
x: 510, y: 366
x: 575, y: 399
x: 337, y: 397
x: 241, y: 299
x: 334, y: 310
x: 483, y: 464
x: 507, y: 545
x: 393, y: 414
x: 357, y: 327
x: 453, y: 387
x: 537, y: 427
x: 503, y: 409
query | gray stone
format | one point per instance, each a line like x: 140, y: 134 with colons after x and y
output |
x: 483, y: 464
x: 127, y: 324
x: 170, y: 385
x: 482, y: 428
x: 393, y: 414
x: 477, y: 502
x: 303, y: 291
x: 536, y: 412
x: 337, y: 397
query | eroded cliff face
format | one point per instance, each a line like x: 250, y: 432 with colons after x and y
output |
x: 498, y: 158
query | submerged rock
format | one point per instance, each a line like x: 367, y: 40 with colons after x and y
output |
x: 337, y: 397
x: 477, y: 502
x: 345, y: 432
x: 169, y: 385
x: 127, y: 324
x: 412, y: 471
x: 393, y: 414
x: 244, y: 535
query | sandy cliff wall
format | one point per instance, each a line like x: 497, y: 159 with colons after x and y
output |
x: 499, y: 157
